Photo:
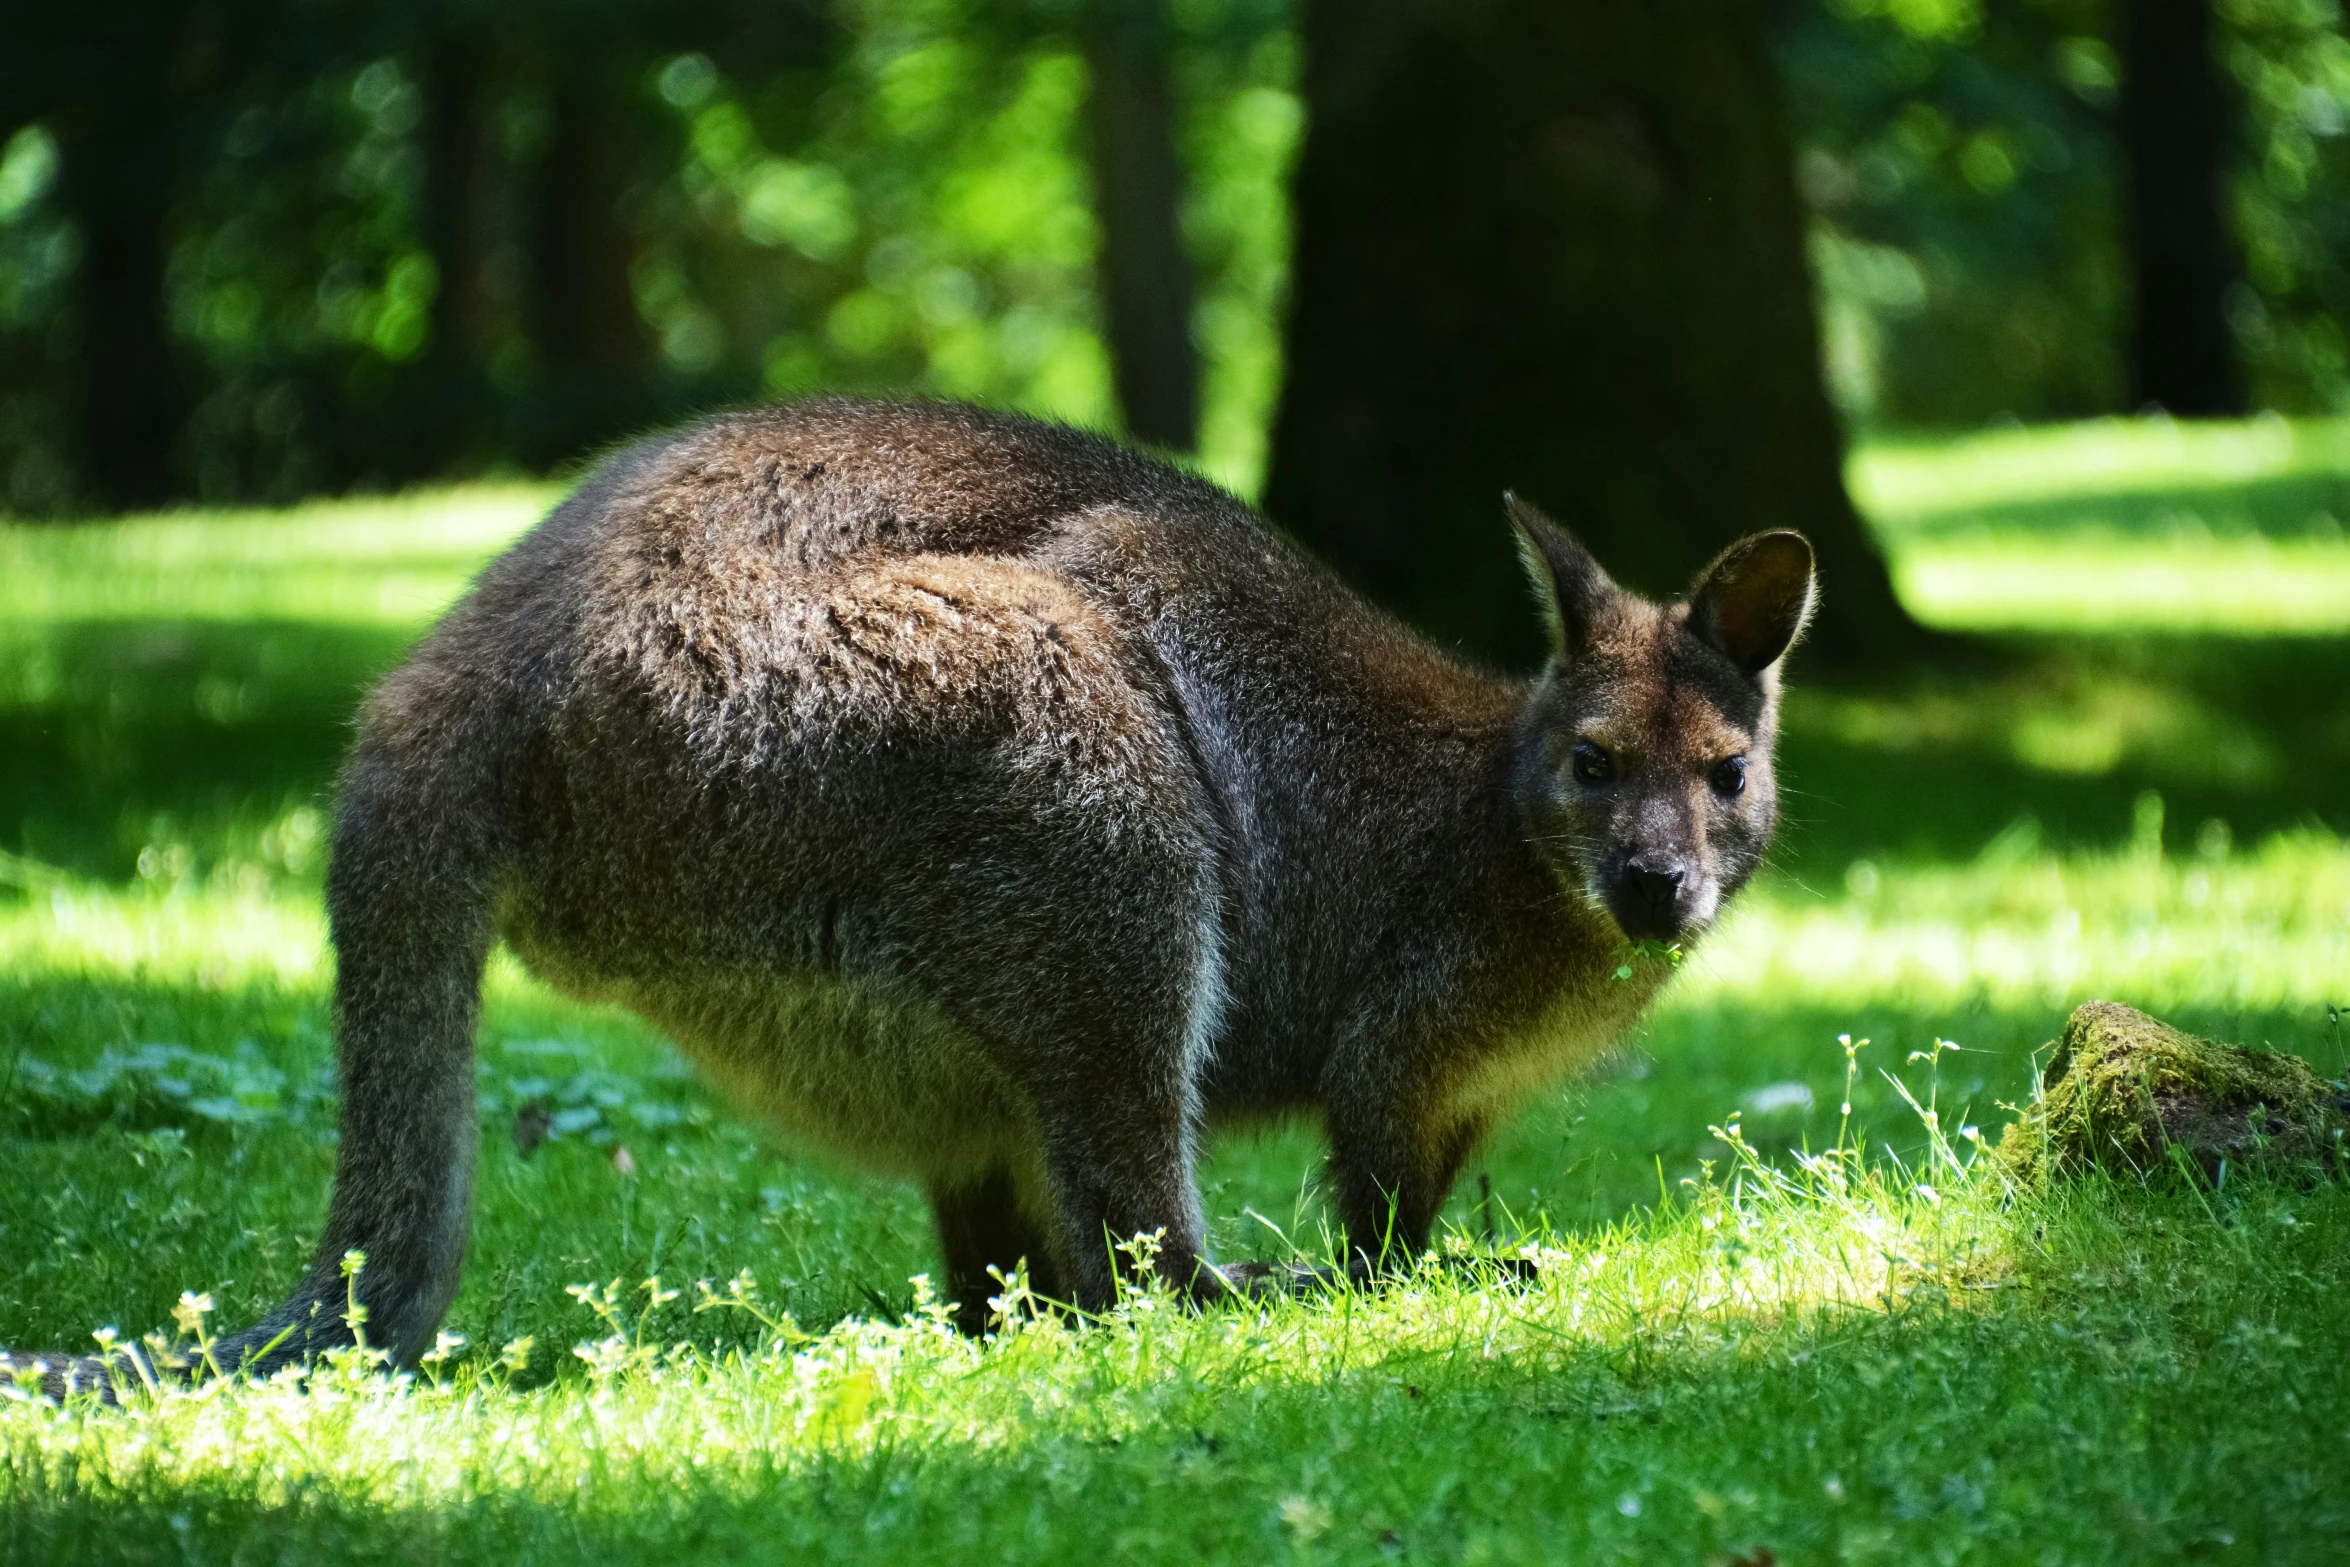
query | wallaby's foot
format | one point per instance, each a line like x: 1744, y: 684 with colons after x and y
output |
x: 125, y: 1369
x: 983, y: 1225
x: 1266, y: 1280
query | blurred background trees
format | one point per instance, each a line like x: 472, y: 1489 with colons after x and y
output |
x: 1555, y: 246
x: 255, y: 249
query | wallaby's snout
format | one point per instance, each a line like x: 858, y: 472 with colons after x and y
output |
x: 1651, y: 896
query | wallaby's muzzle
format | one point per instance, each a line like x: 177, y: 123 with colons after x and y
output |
x: 1659, y: 897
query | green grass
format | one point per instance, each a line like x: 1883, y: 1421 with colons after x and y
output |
x: 1877, y: 1355
x: 2121, y: 525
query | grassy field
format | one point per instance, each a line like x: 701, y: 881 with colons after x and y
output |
x: 1767, y: 1328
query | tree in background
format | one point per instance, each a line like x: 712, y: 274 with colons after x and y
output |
x: 362, y: 245
x: 2179, y: 128
x: 1963, y: 178
x: 1138, y: 201
x: 1556, y: 247
x: 127, y: 88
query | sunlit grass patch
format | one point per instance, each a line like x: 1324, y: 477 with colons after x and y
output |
x: 2119, y: 525
x: 690, y: 1386
x: 2252, y: 586
x: 2267, y: 929
x: 2102, y: 463
x: 396, y: 560
x: 1847, y: 1362
x: 213, y: 936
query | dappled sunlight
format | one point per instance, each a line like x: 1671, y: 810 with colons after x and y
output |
x: 216, y: 938
x: 646, y: 1402
x: 2252, y: 587
x: 2269, y: 929
x: 2087, y: 462
x: 2119, y: 525
x: 393, y: 561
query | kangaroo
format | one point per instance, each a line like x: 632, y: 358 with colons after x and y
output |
x: 984, y: 803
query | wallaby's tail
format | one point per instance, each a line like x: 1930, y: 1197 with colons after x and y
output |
x: 419, y: 845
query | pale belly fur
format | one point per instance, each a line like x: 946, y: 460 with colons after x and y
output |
x: 831, y: 1065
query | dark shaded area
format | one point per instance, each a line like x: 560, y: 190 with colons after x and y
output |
x: 154, y: 734
x: 230, y: 167
x: 2250, y: 733
x: 1138, y: 199
x: 2177, y: 123
x: 1557, y: 248
x: 136, y: 93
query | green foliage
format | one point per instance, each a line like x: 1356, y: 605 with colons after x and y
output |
x: 2290, y: 61
x: 1962, y: 167
x: 894, y: 195
x: 886, y: 196
x: 1960, y: 164
x: 146, y: 1087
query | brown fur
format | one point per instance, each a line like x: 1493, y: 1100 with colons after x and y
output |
x: 987, y: 804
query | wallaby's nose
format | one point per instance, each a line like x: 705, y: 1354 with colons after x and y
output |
x: 1648, y: 899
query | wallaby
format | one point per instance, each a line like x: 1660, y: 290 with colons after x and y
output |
x: 985, y: 803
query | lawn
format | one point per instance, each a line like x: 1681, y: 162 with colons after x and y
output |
x: 1766, y: 1327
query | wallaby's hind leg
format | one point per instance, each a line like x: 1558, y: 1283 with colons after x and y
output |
x: 1119, y: 1171
x: 1393, y: 1172
x: 981, y: 1225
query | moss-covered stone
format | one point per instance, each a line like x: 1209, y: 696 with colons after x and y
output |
x: 2123, y: 1090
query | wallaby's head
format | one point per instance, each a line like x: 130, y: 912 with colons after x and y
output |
x: 1645, y: 774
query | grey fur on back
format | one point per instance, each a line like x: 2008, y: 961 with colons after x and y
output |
x: 984, y: 803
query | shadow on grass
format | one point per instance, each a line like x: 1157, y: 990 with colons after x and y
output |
x: 2254, y: 733
x: 121, y: 736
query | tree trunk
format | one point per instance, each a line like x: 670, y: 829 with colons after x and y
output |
x: 2175, y: 124
x: 592, y: 347
x: 123, y: 128
x: 457, y: 169
x: 131, y: 407
x: 1555, y: 246
x: 1138, y: 198
x: 456, y: 213
x: 587, y: 308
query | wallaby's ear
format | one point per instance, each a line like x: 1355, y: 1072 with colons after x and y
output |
x: 1753, y: 601
x: 1569, y: 583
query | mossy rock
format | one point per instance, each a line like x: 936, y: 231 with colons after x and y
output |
x: 2131, y: 1095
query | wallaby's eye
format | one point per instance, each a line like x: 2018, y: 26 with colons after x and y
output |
x: 1593, y: 765
x: 1729, y: 777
